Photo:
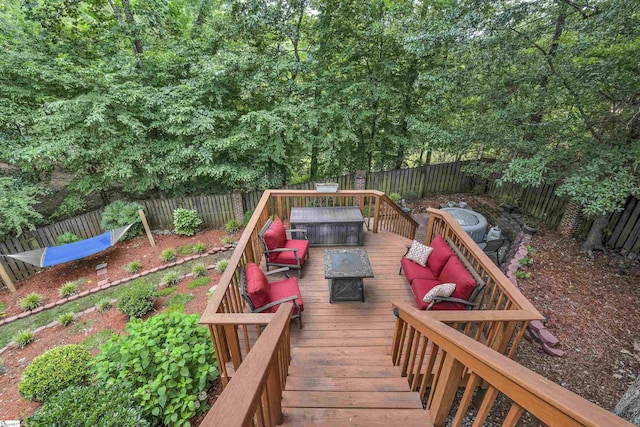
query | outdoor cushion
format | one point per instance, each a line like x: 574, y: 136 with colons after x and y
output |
x: 442, y: 290
x: 288, y: 257
x: 275, y: 237
x: 455, y: 272
x: 419, y: 253
x: 283, y: 289
x: 422, y: 286
x: 257, y: 286
x: 440, y: 255
x: 414, y: 271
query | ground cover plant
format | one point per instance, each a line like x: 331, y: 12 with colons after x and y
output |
x: 169, y: 361
x: 138, y: 299
x: 186, y: 221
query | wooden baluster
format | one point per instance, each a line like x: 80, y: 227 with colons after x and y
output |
x: 485, y: 407
x: 414, y: 354
x: 274, y: 395
x: 512, y: 418
x: 233, y: 344
x: 376, y: 215
x: 469, y: 389
x: 410, y: 344
x: 416, y: 374
x: 445, y: 389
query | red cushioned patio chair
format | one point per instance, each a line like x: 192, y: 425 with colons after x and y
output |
x: 280, y: 250
x: 263, y: 296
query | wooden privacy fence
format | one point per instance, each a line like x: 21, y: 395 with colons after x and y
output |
x: 539, y: 202
x: 215, y: 210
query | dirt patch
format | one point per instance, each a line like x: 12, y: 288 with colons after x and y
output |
x: 15, y: 360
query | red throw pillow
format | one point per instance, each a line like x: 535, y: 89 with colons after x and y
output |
x: 257, y: 286
x: 455, y: 272
x: 275, y: 237
x: 439, y: 256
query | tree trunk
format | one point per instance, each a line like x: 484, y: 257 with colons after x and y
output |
x: 595, y: 237
x: 629, y: 405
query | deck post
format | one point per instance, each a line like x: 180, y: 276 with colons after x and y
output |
x: 6, y: 279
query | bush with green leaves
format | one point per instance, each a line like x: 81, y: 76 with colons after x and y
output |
x: 55, y: 370
x: 93, y: 405
x: 232, y: 226
x: 227, y: 240
x: 65, y: 238
x: 186, y: 221
x: 395, y: 198
x: 199, y: 269
x: 137, y: 299
x: 168, y: 255
x: 170, y: 362
x: 200, y: 248
x: 247, y: 216
x: 68, y: 289
x: 31, y: 301
x: 66, y: 319
x: 104, y: 304
x: 121, y: 213
x: 23, y: 338
x: 72, y: 205
x: 221, y: 265
x: 133, y: 267
x: 171, y: 278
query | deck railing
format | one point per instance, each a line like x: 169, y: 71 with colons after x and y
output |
x: 437, y: 360
x: 225, y: 315
x: 254, y: 397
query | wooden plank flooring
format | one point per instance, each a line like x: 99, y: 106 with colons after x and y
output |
x: 341, y: 371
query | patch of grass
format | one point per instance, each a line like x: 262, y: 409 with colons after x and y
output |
x: 186, y: 249
x: 82, y: 326
x: 133, y: 267
x: 81, y: 304
x: 104, y: 304
x: 68, y: 289
x: 181, y: 299
x: 221, y: 265
x: 66, y: 319
x: 199, y: 269
x: 168, y: 255
x: 96, y: 340
x: 171, y: 278
x: 202, y: 281
x: 23, y: 338
x: 3, y: 309
x: 227, y: 240
x: 166, y: 291
x: 31, y: 302
x: 199, y: 248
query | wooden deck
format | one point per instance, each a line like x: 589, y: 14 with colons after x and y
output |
x: 341, y: 371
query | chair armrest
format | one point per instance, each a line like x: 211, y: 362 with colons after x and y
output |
x: 451, y: 299
x: 282, y: 250
x: 277, y: 270
x: 299, y: 230
x: 278, y: 302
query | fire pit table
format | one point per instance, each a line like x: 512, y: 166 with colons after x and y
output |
x: 345, y: 269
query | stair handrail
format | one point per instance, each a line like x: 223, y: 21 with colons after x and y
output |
x: 257, y: 386
x: 454, y: 356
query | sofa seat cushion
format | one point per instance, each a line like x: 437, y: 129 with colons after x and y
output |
x: 421, y: 286
x: 289, y: 257
x: 415, y: 271
x: 257, y: 286
x: 275, y: 237
x: 455, y: 272
x: 440, y: 255
x: 283, y: 289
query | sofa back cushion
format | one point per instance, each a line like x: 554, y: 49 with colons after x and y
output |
x: 257, y: 286
x: 455, y: 272
x: 439, y: 256
x: 275, y: 237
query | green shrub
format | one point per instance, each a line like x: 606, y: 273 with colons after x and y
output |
x: 232, y: 226
x: 65, y: 238
x: 68, y: 289
x: 199, y: 269
x: 186, y: 222
x: 227, y: 240
x: 247, y: 216
x: 168, y: 255
x: 54, y: 371
x: 121, y: 213
x: 93, y: 405
x: 104, y: 304
x: 72, y: 205
x: 525, y: 260
x: 133, y: 267
x: 166, y: 291
x: 137, y: 299
x: 221, y: 265
x: 199, y: 248
x: 170, y: 362
x: 66, y: 319
x: 523, y: 274
x: 203, y: 281
x: 23, y: 338
x: 31, y: 302
x: 171, y: 278
x: 410, y: 195
x: 395, y: 198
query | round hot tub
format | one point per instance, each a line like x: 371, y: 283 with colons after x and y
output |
x: 472, y: 222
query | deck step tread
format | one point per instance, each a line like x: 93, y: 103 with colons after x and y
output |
x: 355, y: 417
x: 351, y: 399
x: 346, y: 384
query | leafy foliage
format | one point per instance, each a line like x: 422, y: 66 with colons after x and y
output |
x: 66, y: 319
x: 186, y: 222
x: 65, y: 238
x: 54, y: 371
x: 31, y: 301
x: 121, y: 213
x: 200, y: 248
x: 104, y: 304
x: 171, y: 278
x: 168, y: 255
x: 23, y: 338
x: 68, y: 289
x: 133, y: 267
x: 199, y: 269
x: 17, y: 200
x: 138, y: 299
x: 232, y: 226
x: 168, y: 360
x: 221, y: 265
x: 247, y: 216
x: 92, y: 405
